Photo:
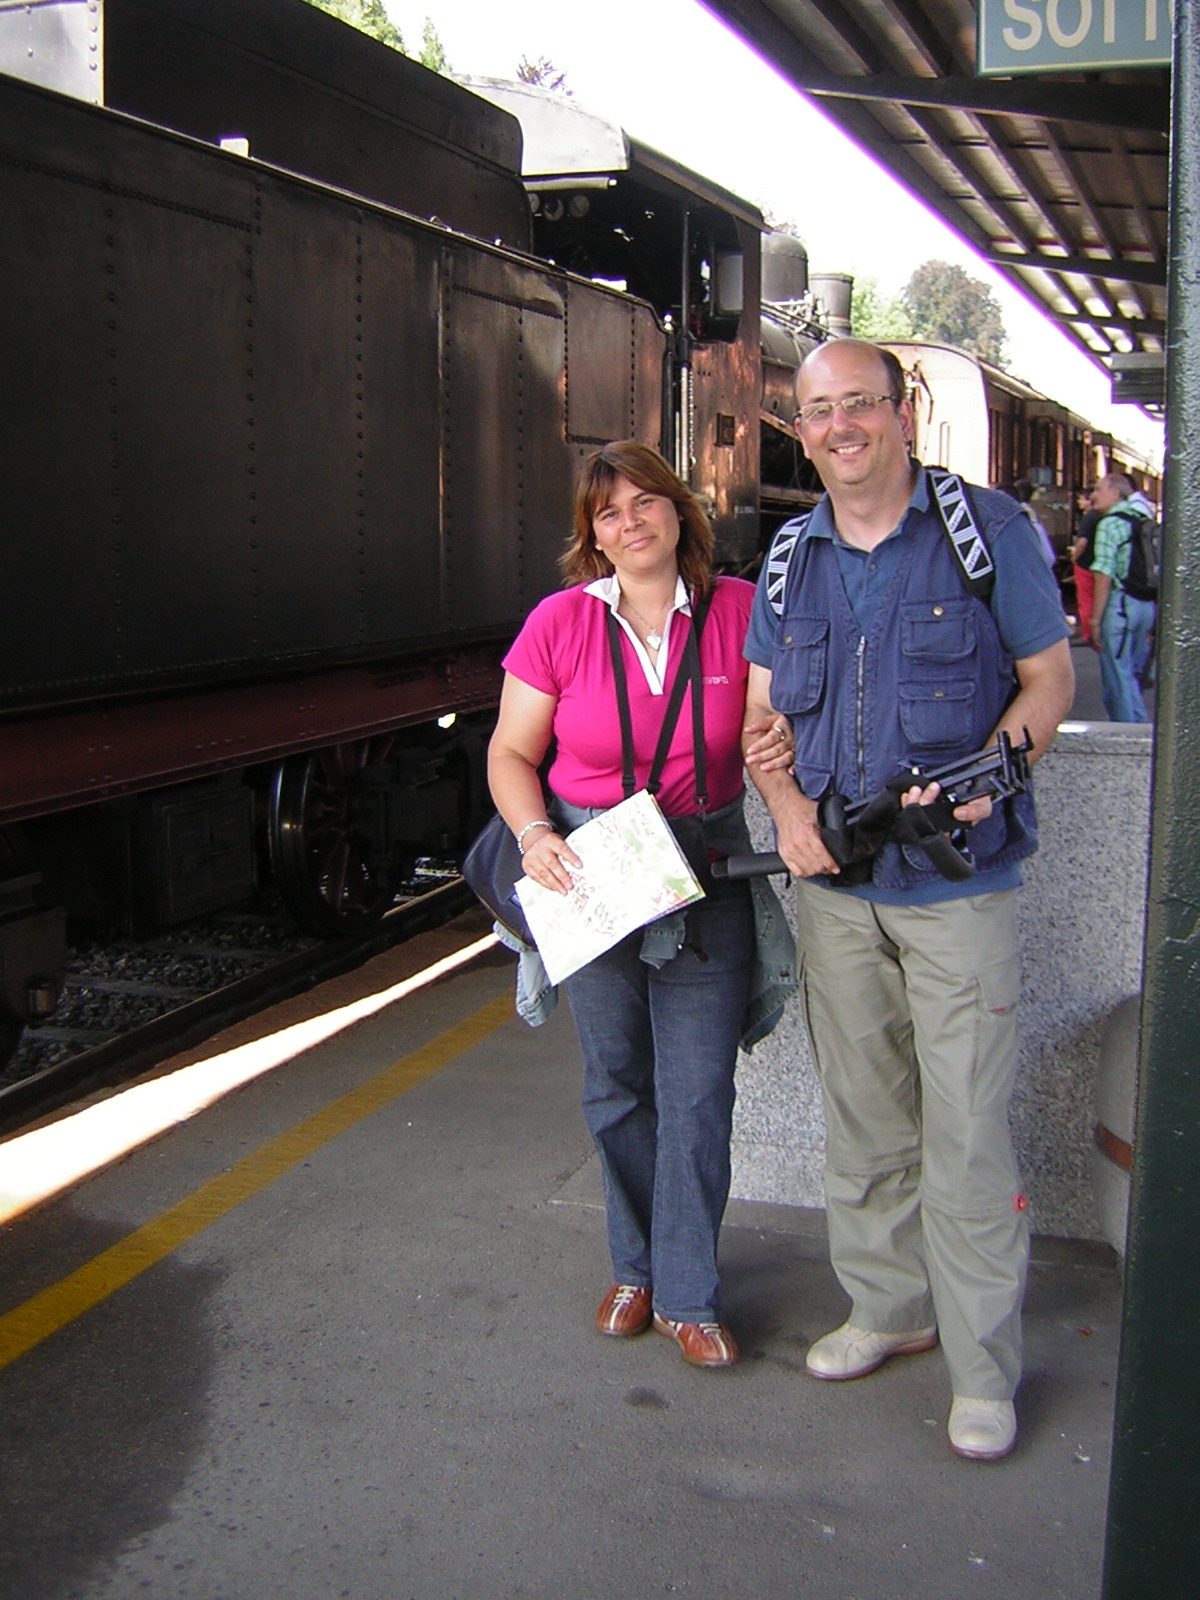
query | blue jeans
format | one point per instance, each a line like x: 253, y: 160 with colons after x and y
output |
x: 1125, y: 630
x: 659, y: 1049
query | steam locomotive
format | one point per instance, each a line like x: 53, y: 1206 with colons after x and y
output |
x: 297, y: 369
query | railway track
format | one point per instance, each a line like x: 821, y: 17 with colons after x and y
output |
x: 130, y: 1003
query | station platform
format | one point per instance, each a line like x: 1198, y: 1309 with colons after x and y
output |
x: 332, y: 1337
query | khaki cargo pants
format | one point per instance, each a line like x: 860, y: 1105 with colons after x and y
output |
x: 912, y: 1014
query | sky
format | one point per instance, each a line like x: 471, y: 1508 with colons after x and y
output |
x: 677, y: 79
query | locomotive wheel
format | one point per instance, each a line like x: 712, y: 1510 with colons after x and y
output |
x: 320, y: 855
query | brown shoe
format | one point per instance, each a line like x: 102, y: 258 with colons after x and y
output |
x: 624, y: 1311
x: 701, y: 1344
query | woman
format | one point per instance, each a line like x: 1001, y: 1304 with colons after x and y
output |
x: 658, y: 1019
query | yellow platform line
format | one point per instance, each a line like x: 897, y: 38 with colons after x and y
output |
x: 29, y: 1324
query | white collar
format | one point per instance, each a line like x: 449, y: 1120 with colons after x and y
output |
x: 609, y: 590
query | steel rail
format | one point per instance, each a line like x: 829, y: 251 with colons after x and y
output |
x: 118, y: 1060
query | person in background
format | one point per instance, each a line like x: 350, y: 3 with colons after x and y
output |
x: 1024, y: 495
x: 882, y: 659
x: 659, y: 1016
x: 1122, y: 626
x: 1083, y: 553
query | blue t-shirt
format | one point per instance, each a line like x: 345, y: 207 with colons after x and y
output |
x: 1024, y: 603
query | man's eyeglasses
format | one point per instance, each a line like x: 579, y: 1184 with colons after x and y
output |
x: 852, y: 407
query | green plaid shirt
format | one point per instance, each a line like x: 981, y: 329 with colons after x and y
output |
x: 1113, y: 537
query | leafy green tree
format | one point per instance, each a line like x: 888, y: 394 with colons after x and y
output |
x: 368, y: 16
x: 433, y: 51
x: 877, y: 316
x: 949, y: 307
x: 543, y: 73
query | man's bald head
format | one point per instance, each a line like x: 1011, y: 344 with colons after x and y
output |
x: 891, y: 372
x: 855, y: 424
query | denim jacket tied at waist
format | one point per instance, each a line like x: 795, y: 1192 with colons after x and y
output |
x: 773, y: 969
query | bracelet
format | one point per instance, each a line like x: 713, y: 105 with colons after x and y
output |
x: 538, y: 824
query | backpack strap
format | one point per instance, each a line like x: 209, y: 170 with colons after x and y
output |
x: 976, y: 567
x: 1133, y: 541
x: 1131, y: 522
x: 778, y: 558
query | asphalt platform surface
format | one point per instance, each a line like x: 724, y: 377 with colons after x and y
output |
x: 377, y: 1376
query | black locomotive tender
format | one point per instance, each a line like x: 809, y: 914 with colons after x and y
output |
x: 287, y: 442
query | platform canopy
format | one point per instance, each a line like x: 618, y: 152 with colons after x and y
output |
x: 1059, y: 179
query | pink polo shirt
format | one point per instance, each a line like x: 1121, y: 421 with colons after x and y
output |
x: 563, y: 651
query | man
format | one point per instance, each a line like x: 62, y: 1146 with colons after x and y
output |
x: 1083, y: 553
x: 1121, y: 623
x: 910, y: 982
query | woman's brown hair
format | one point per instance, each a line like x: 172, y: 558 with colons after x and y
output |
x: 645, y: 469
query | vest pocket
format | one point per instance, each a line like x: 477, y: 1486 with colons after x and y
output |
x: 798, y: 668
x: 937, y: 715
x: 937, y: 631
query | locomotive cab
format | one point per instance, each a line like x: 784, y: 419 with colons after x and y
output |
x: 614, y: 210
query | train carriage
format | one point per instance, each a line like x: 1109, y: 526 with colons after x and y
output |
x: 991, y: 428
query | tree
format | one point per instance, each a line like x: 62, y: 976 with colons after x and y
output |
x: 949, y: 307
x: 543, y: 73
x: 878, y: 317
x: 433, y: 51
x: 368, y: 16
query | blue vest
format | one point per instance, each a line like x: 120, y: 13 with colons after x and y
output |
x: 927, y: 685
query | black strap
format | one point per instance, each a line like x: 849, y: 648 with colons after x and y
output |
x: 688, y: 671
x: 618, y: 666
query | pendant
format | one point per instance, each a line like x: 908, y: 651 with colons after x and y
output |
x: 654, y: 640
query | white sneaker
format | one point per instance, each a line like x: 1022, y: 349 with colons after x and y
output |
x: 850, y: 1352
x: 982, y: 1430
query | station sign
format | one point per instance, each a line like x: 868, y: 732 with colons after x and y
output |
x: 1072, y: 35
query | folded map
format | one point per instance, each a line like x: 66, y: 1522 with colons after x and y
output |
x: 633, y: 872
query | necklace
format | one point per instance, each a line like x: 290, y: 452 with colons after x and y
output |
x: 653, y: 634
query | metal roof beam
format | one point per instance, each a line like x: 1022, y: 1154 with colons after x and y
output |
x: 1155, y: 327
x: 851, y: 34
x: 1141, y: 110
x: 1153, y: 273
x: 1002, y: 210
x: 933, y: 45
x: 1140, y: 209
x: 1089, y: 208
